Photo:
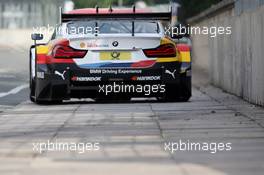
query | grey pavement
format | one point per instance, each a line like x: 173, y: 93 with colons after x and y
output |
x: 13, y: 73
x: 132, y: 135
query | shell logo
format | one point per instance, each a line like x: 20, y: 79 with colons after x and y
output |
x: 82, y: 45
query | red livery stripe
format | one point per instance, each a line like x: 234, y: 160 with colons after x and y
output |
x: 44, y: 59
x: 144, y: 64
x: 183, y: 47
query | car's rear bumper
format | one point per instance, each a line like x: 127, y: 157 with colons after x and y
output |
x: 86, y: 83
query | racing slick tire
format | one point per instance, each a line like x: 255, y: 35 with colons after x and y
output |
x: 36, y: 100
x: 32, y: 92
x: 178, y: 93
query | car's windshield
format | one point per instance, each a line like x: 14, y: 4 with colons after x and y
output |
x: 111, y: 27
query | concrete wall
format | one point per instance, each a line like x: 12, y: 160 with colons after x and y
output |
x: 19, y: 38
x: 23, y: 14
x: 19, y: 17
x: 235, y: 62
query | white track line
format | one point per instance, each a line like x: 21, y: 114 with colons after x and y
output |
x: 14, y: 91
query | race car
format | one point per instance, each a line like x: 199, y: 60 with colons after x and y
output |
x: 109, y: 54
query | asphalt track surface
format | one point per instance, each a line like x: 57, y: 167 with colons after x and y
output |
x: 131, y: 136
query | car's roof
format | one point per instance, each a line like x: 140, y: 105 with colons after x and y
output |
x: 106, y: 11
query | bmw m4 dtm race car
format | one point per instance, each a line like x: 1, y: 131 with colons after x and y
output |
x: 106, y: 53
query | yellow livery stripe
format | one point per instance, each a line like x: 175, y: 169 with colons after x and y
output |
x: 162, y: 60
x: 185, y: 57
x: 42, y: 49
x: 166, y: 41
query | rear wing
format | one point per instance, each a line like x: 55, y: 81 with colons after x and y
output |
x: 163, y: 16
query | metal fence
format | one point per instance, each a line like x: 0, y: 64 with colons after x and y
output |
x: 21, y: 14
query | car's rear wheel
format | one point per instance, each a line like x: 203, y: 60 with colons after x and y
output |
x: 178, y: 93
x: 36, y: 100
x: 32, y: 92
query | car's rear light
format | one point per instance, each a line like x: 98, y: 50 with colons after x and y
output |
x: 63, y: 50
x: 143, y: 64
x: 165, y: 50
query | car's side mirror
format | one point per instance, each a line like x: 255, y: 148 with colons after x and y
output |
x: 37, y: 36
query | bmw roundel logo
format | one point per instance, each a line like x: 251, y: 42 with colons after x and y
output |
x: 115, y: 43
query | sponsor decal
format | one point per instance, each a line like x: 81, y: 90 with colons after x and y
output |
x: 115, y: 55
x: 115, y: 71
x: 85, y: 79
x: 60, y: 74
x: 146, y: 78
x: 94, y: 44
x: 115, y: 79
x: 115, y: 43
x: 40, y: 75
x: 171, y: 73
x: 129, y: 88
x: 82, y: 45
